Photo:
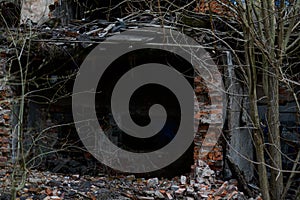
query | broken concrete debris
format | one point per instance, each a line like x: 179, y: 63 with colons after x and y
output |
x: 47, y: 185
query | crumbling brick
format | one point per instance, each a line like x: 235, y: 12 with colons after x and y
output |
x: 5, y: 116
x: 3, y: 159
x: 210, y: 151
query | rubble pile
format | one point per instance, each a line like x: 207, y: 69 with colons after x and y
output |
x: 204, y: 185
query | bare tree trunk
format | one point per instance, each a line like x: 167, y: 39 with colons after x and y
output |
x: 259, y: 147
x: 257, y: 132
x: 276, y: 179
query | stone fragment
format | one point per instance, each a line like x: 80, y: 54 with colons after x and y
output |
x: 159, y: 194
x: 180, y: 191
x: 221, y: 189
x: 145, y: 198
x: 35, y: 180
x: 149, y: 192
x: 190, y: 190
x: 169, y: 196
x: 174, y: 187
x: 75, y: 176
x: 183, y: 180
x: 55, y: 197
x: 152, y: 182
x: 207, y: 172
x: 200, y: 180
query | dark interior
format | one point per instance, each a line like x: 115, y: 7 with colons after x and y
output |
x: 50, y: 102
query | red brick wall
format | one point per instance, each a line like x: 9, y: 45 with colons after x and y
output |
x: 208, y: 147
x: 215, y: 7
x: 5, y: 114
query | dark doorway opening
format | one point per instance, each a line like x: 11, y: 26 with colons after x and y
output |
x: 51, y: 105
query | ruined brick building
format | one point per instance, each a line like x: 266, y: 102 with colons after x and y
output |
x: 56, y: 53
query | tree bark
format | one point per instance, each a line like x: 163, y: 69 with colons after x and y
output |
x: 276, y: 179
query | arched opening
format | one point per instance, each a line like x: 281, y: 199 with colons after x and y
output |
x: 50, y: 104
